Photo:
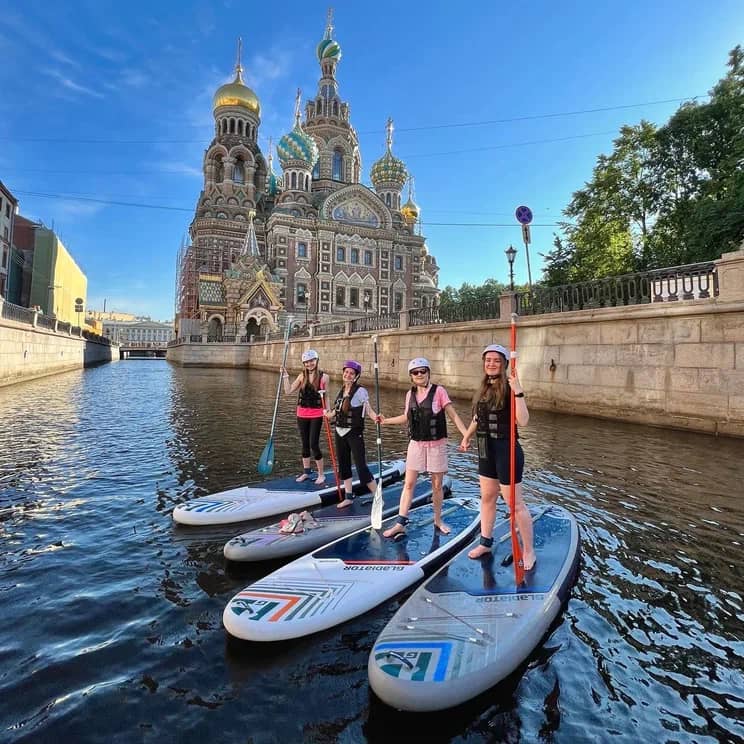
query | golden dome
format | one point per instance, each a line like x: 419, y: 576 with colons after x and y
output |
x: 236, y: 94
x: 410, y: 211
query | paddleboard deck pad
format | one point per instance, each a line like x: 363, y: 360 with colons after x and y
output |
x: 325, y: 524
x: 270, y: 498
x: 469, y: 626
x: 348, y: 577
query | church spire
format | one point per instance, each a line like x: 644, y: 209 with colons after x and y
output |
x: 250, y: 245
x: 239, y: 62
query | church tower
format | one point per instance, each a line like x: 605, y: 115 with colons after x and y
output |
x: 389, y: 174
x: 327, y: 120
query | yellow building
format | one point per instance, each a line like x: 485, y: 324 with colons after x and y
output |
x: 57, y: 282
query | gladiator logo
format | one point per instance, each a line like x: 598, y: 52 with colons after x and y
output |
x: 373, y: 568
x: 418, y: 662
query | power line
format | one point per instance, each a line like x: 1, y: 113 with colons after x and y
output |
x: 427, y: 127
x: 140, y: 205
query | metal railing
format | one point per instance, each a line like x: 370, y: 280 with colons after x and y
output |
x: 689, y: 282
x: 489, y: 309
x: 375, y: 323
x: 17, y: 313
x: 330, y: 329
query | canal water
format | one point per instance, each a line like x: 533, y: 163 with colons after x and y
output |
x: 111, y: 614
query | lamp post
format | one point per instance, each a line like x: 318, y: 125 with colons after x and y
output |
x: 511, y: 254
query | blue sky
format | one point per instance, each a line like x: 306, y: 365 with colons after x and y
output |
x: 112, y: 101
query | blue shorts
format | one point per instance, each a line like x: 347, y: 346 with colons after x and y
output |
x: 493, y: 460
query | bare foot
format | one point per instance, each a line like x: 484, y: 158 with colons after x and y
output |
x: 343, y: 504
x: 302, y: 477
x: 478, y: 551
x: 443, y: 527
x: 396, y: 529
x: 320, y: 480
x: 528, y: 562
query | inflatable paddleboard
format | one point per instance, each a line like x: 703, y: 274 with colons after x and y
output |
x: 270, y: 498
x: 469, y: 626
x: 323, y: 525
x: 348, y: 577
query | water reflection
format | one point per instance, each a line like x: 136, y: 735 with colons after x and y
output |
x: 117, y: 612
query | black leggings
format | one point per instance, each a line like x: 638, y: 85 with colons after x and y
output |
x: 353, y: 445
x: 310, y: 436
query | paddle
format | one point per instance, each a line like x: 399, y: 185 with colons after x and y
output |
x: 332, y: 452
x: 377, y: 501
x: 516, y: 547
x: 266, y: 461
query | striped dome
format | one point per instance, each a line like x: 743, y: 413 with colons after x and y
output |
x: 389, y: 170
x: 329, y: 49
x: 297, y: 145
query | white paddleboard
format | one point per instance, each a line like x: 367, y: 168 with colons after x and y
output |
x: 348, y: 577
x: 269, y: 498
x: 328, y: 523
x: 469, y: 626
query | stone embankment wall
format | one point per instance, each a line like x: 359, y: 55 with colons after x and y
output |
x: 677, y: 365
x: 28, y: 352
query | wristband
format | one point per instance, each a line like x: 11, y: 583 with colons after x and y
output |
x: 519, y: 395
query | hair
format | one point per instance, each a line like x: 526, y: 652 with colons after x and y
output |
x: 306, y: 376
x: 346, y: 402
x: 493, y: 390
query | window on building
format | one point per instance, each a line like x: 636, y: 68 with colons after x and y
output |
x: 398, y: 301
x: 340, y: 253
x: 293, y: 180
x: 302, y: 250
x: 367, y: 301
x: 239, y: 172
x: 368, y: 258
x: 316, y: 169
x: 301, y: 294
x: 354, y: 253
x: 353, y: 297
x: 338, y: 162
x: 340, y: 296
x: 399, y: 263
x: 387, y: 199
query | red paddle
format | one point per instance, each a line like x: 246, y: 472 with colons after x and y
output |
x: 516, y: 547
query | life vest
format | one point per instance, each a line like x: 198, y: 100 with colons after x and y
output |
x: 309, y: 397
x: 423, y: 424
x: 493, y: 422
x: 354, y: 419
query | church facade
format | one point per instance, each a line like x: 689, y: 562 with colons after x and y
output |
x: 315, y: 242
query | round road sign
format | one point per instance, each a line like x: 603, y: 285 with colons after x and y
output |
x: 524, y: 215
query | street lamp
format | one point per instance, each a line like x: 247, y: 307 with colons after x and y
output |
x: 511, y: 254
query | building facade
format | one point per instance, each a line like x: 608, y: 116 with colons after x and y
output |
x: 8, y: 208
x: 140, y: 332
x: 314, y: 242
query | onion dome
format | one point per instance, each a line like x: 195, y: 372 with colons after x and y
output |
x: 410, y: 210
x: 297, y: 145
x: 389, y: 169
x: 329, y: 48
x: 237, y: 93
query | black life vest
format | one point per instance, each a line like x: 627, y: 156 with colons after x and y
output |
x: 354, y: 419
x: 309, y: 397
x: 423, y: 424
x: 494, y: 422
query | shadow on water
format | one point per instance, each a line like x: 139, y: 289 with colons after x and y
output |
x: 116, y: 613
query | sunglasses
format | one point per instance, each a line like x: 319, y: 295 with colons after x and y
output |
x: 419, y: 371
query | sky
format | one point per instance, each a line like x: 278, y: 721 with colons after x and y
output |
x: 106, y: 112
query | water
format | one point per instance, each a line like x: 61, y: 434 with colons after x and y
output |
x: 111, y: 614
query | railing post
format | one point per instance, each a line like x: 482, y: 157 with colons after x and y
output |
x: 730, y: 270
x: 35, y: 321
x: 312, y: 331
x: 204, y: 338
x: 507, y: 305
x: 347, y: 330
x: 403, y: 320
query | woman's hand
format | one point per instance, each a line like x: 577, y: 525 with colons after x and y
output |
x: 514, y: 383
x: 379, y: 419
x: 329, y: 414
x: 465, y: 444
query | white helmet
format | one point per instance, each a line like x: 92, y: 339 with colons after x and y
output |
x: 418, y: 362
x: 309, y: 355
x: 497, y: 348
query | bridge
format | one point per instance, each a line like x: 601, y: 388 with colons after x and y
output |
x: 142, y: 350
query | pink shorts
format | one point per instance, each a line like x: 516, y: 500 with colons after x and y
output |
x: 427, y: 457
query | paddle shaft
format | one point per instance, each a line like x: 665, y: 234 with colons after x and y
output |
x: 377, y: 404
x: 281, y: 375
x: 332, y: 453
x: 516, y: 548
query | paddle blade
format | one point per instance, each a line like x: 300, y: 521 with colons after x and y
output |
x: 266, y: 461
x: 377, y: 507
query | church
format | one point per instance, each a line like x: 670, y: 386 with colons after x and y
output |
x: 314, y: 242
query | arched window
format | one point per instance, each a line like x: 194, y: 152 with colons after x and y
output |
x: 335, y: 108
x: 232, y: 126
x: 240, y: 127
x: 239, y: 172
x: 307, y: 183
x: 338, y: 162
x: 219, y: 169
x: 387, y: 199
x: 318, y: 107
x: 316, y: 169
x: 293, y: 180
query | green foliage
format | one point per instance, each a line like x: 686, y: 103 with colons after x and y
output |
x: 663, y: 197
x: 470, y: 294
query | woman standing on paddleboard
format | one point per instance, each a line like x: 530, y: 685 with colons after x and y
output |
x: 349, y: 409
x: 310, y: 410
x: 426, y: 410
x: 491, y: 423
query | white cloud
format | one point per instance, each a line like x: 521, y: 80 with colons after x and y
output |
x: 70, y: 84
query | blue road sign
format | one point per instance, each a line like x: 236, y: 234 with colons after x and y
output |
x: 524, y: 215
